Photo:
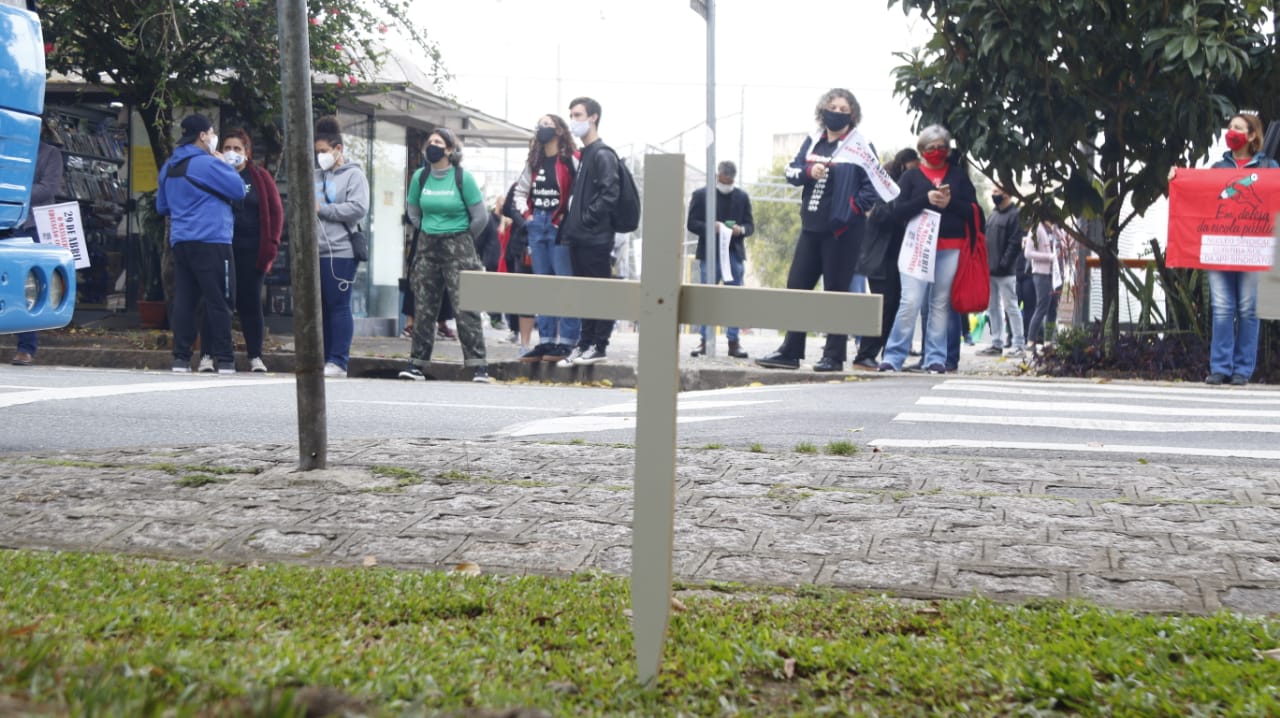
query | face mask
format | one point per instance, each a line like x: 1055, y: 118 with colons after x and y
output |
x: 435, y: 153
x: 579, y: 128
x: 325, y: 160
x: 723, y: 188
x: 233, y: 158
x: 936, y: 157
x: 1236, y: 140
x: 836, y: 121
x: 997, y: 198
x: 545, y: 134
x: 213, y: 141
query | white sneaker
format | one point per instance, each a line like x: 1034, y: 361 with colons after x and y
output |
x: 331, y: 369
x: 206, y: 365
x: 256, y: 365
x: 570, y: 360
x: 1015, y: 353
x: 593, y: 355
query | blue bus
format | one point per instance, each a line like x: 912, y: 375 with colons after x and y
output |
x: 37, y: 282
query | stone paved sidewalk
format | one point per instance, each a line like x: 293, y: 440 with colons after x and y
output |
x: 1151, y: 537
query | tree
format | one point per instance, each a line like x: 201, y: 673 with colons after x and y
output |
x: 777, y: 227
x: 1089, y: 102
x: 165, y: 55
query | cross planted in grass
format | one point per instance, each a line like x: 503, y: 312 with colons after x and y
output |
x: 661, y: 304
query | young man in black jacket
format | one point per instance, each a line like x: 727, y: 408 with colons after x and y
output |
x: 1004, y: 251
x: 588, y: 225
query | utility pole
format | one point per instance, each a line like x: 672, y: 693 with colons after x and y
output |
x: 711, y: 254
x: 300, y: 210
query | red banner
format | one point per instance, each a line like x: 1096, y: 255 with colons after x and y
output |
x: 1223, y: 219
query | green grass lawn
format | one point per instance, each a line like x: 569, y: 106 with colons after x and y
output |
x: 101, y: 635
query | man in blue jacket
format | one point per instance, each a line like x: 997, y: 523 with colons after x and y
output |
x: 196, y: 189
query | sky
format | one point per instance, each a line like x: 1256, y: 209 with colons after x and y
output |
x: 645, y: 62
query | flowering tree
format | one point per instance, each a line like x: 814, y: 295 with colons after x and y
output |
x: 1089, y: 102
x: 164, y: 55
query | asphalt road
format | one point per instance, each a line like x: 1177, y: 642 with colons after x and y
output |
x: 65, y: 408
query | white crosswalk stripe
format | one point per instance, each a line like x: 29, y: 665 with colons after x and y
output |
x: 1079, y: 416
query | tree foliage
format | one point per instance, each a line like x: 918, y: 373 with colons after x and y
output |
x: 162, y: 56
x: 770, y: 248
x: 1087, y: 102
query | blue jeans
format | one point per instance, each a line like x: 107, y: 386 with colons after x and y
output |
x: 913, y: 297
x: 858, y: 285
x: 735, y: 265
x: 551, y: 259
x: 1234, y: 349
x: 336, y: 277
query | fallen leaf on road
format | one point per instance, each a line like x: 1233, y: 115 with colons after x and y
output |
x: 855, y: 430
x: 677, y: 605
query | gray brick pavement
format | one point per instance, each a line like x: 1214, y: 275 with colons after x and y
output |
x: 1153, y: 537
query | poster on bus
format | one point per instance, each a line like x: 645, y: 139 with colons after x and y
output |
x: 1223, y: 219
x: 60, y: 224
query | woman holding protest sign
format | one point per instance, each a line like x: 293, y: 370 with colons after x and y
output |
x: 939, y: 205
x: 1233, y: 351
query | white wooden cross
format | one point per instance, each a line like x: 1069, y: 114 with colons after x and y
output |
x: 661, y: 304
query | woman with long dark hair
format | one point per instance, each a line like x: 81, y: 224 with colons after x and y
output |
x: 541, y: 196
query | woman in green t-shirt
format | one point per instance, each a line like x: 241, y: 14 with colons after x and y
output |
x: 446, y: 203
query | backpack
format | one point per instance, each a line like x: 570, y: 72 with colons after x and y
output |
x: 626, y: 213
x: 971, y: 288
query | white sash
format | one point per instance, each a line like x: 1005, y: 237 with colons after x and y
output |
x: 854, y: 149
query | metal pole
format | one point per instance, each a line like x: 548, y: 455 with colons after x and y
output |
x: 742, y: 130
x: 711, y: 255
x: 300, y: 211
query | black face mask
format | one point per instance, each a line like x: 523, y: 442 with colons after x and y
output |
x: 545, y: 134
x: 836, y: 121
x: 435, y: 153
x: 997, y: 198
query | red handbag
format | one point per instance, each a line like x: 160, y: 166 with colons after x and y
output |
x: 971, y: 288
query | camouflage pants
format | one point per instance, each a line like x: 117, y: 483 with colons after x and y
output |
x: 436, y: 267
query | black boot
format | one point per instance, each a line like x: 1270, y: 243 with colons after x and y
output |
x: 736, y: 351
x: 700, y: 350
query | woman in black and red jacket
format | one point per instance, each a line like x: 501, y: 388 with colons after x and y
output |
x: 939, y: 183
x: 833, y: 210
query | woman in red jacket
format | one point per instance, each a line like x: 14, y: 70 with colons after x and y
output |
x: 255, y: 242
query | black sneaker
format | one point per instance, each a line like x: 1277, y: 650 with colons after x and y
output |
x: 558, y: 352
x: 886, y: 367
x: 593, y: 355
x: 991, y: 351
x: 777, y: 361
x: 413, y: 373
x: 936, y: 369
x: 182, y: 366
x: 481, y: 376
x: 1214, y: 379
x: 828, y: 364
x: 1239, y: 380
x: 536, y: 354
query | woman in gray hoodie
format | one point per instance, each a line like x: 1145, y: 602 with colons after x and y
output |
x: 342, y: 201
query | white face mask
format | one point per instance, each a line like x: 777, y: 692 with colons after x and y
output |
x: 235, y: 159
x: 579, y: 128
x: 213, y: 141
x: 325, y: 160
x: 724, y: 188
